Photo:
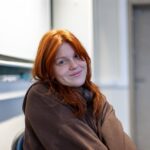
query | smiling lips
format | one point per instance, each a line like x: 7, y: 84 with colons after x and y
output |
x: 76, y: 74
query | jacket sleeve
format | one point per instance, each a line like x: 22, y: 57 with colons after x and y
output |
x: 55, y: 127
x: 112, y: 132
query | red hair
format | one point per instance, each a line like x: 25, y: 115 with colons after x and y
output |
x: 42, y: 71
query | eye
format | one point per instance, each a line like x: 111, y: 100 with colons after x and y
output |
x: 77, y: 56
x: 61, y: 62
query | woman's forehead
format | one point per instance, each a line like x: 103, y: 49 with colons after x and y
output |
x: 65, y: 49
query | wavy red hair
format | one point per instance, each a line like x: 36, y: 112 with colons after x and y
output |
x: 42, y: 70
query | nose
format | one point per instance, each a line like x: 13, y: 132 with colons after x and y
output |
x: 73, y: 64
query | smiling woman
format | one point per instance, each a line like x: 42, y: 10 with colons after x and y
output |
x: 64, y: 109
x: 69, y: 68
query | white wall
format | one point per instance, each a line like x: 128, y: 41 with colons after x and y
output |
x: 111, y: 56
x: 22, y: 23
x: 76, y: 16
x: 108, y: 42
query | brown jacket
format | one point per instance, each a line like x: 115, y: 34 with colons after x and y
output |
x: 51, y: 125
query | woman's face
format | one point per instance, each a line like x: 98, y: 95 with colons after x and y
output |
x: 69, y: 69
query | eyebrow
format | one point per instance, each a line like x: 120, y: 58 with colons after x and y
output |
x: 62, y: 57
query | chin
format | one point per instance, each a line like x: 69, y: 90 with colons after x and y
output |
x: 78, y: 84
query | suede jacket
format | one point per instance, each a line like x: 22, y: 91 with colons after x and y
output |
x: 51, y: 125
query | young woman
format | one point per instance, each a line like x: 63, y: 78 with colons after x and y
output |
x: 64, y: 109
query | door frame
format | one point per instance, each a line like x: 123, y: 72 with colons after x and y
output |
x: 131, y: 5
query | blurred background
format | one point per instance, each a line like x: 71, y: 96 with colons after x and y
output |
x: 116, y: 34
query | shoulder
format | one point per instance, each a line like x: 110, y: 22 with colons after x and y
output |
x: 38, y: 87
x: 108, y: 116
x: 106, y: 111
x: 38, y: 94
x: 38, y: 101
x: 36, y: 91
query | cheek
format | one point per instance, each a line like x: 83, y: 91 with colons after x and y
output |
x: 59, y: 72
x: 85, y: 68
x: 84, y: 65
